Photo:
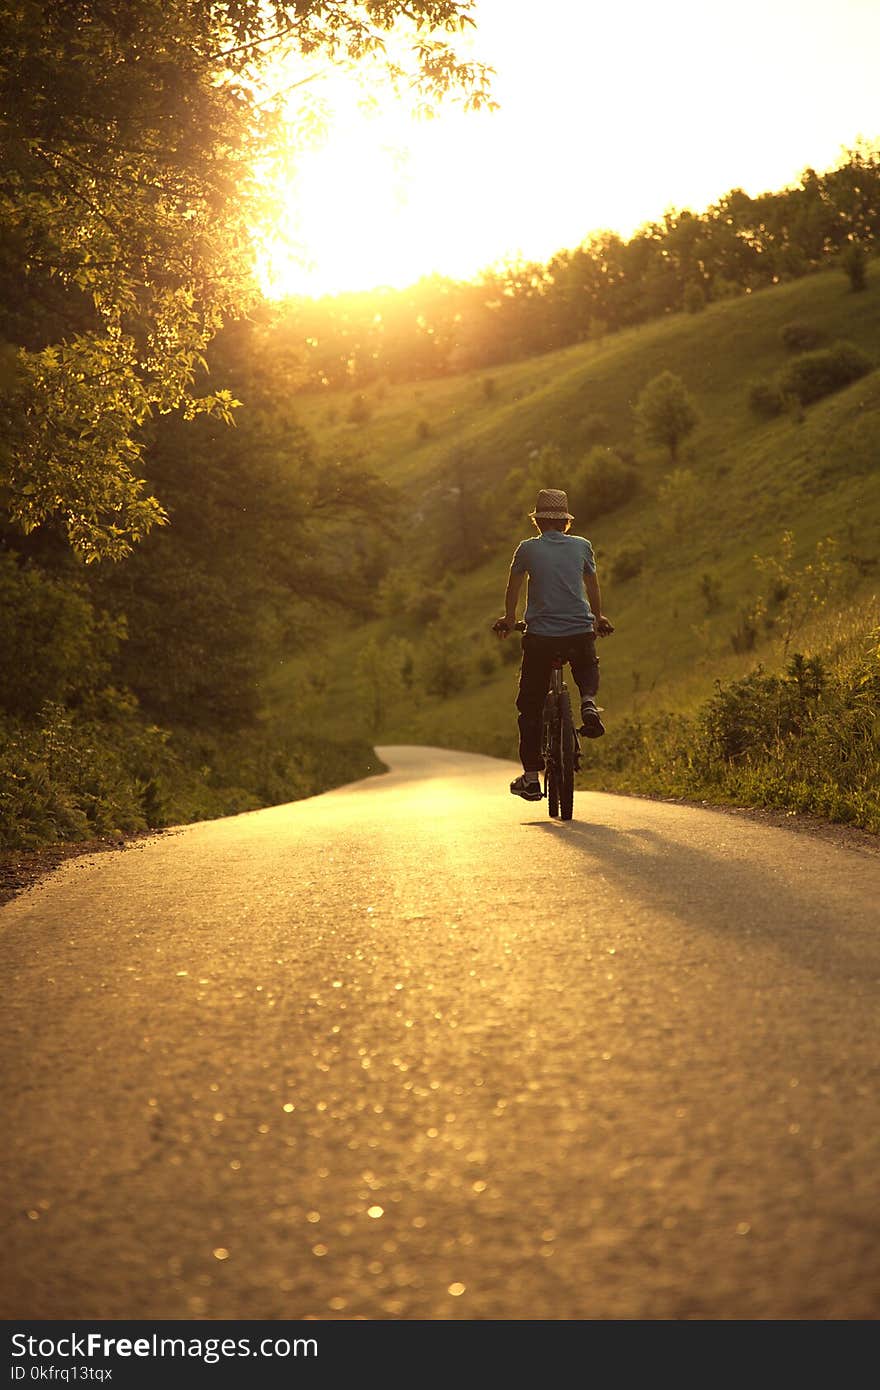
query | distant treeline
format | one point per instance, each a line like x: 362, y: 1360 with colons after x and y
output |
x: 738, y: 245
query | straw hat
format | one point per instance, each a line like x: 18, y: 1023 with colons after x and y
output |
x: 552, y: 505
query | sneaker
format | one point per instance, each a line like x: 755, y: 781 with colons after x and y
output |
x: 528, y: 790
x: 592, y: 724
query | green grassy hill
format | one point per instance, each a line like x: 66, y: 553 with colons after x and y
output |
x: 742, y: 482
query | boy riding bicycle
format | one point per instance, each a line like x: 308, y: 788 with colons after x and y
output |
x: 563, y: 617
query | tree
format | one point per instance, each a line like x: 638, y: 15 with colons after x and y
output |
x: 854, y: 260
x: 665, y: 412
x: 130, y: 134
x: 263, y: 546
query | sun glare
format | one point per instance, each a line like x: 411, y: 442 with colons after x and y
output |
x: 603, y: 123
x: 383, y: 200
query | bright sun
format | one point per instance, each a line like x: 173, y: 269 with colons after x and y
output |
x: 383, y: 200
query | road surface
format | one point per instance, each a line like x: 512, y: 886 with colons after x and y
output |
x: 409, y: 1050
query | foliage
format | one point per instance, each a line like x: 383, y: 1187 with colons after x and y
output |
x: 710, y: 592
x: 442, y: 667
x: 677, y: 498
x: 360, y: 410
x: 766, y: 399
x: 817, y: 374
x: 601, y: 483
x: 55, y: 646
x: 665, y: 412
x: 267, y: 538
x: 797, y: 593
x: 72, y: 776
x: 807, y: 740
x: 799, y: 336
x: 854, y: 260
x: 131, y: 135
x: 627, y: 563
x: 694, y: 297
x: 381, y: 669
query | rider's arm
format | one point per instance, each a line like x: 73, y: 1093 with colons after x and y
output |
x: 591, y: 584
x: 511, y: 597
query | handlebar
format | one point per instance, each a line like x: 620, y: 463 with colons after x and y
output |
x: 603, y: 629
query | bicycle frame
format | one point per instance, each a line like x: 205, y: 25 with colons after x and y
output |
x: 560, y: 745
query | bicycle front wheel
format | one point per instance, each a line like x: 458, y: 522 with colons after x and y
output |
x: 566, y: 745
x: 551, y: 755
x: 552, y: 784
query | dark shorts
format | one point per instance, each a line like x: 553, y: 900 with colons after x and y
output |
x: 539, y: 653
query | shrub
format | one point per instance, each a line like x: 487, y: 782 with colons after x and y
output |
x: 766, y: 399
x: 602, y: 483
x: 423, y: 431
x: 800, y: 337
x: 806, y: 739
x: 627, y: 563
x: 854, y: 261
x: 710, y: 592
x: 55, y: 646
x: 817, y: 374
x: 442, y: 667
x: 424, y: 605
x: 694, y: 297
x: 665, y: 412
x: 678, y: 498
x: 359, y: 411
x: 595, y: 428
x: 487, y: 663
x: 745, y: 634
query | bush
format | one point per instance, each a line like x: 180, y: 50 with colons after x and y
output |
x: 424, y: 606
x: 665, y: 412
x: 806, y: 740
x: 766, y: 399
x: 627, y: 563
x: 360, y: 411
x: 602, y: 483
x: 487, y: 663
x: 694, y: 297
x: 423, y: 431
x: 710, y: 592
x: 55, y: 646
x: 800, y: 337
x: 854, y: 261
x: 442, y: 666
x: 817, y: 374
x: 595, y: 428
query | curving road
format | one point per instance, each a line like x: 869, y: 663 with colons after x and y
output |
x: 409, y: 1050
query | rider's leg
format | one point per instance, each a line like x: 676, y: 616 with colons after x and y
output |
x: 534, y: 678
x: 584, y: 664
x: 585, y: 670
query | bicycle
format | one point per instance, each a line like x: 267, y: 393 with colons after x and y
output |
x: 560, y: 745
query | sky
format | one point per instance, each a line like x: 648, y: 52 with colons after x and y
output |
x: 608, y: 115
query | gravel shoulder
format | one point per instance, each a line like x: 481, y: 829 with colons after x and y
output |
x: 21, y: 869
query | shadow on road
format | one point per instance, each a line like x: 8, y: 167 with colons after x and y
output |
x: 711, y: 891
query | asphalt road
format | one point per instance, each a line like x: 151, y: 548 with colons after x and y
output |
x: 411, y: 1051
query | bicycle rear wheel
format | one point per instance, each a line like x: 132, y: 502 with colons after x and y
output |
x: 566, y: 747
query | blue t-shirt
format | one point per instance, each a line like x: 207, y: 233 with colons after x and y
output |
x: 555, y: 563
